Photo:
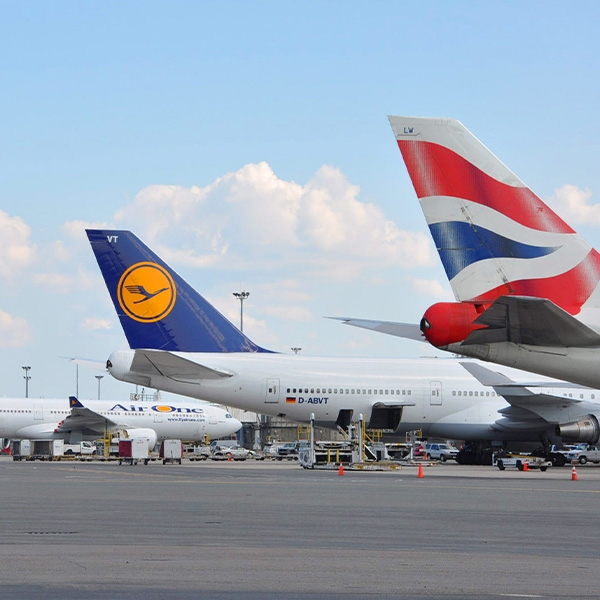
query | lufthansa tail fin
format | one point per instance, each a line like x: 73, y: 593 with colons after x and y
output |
x: 158, y: 309
x: 495, y: 237
x: 74, y: 403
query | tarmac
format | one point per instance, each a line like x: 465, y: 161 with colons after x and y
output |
x: 272, y: 530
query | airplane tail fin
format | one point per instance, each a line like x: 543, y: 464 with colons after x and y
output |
x: 74, y: 402
x: 495, y: 237
x: 158, y: 309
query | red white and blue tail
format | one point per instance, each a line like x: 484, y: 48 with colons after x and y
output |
x: 495, y: 237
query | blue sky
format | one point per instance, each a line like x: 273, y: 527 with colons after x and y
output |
x: 248, y: 143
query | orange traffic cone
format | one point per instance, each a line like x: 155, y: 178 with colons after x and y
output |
x: 525, y: 466
x: 420, y: 474
x: 574, y: 474
x: 230, y: 459
x: 341, y: 471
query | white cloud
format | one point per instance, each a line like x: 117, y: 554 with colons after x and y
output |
x: 573, y: 205
x: 431, y: 288
x: 16, y: 251
x: 66, y: 282
x: 290, y: 313
x: 251, y: 215
x: 92, y: 324
x: 75, y: 230
x: 15, y: 332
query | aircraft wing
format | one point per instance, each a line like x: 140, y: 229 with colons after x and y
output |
x: 174, y: 366
x: 529, y: 409
x: 403, y: 330
x: 531, y: 321
x: 83, y: 419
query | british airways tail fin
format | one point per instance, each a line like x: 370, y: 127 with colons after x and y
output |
x: 159, y: 310
x: 495, y: 237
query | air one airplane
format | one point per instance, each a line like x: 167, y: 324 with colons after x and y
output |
x: 46, y: 419
x: 180, y: 343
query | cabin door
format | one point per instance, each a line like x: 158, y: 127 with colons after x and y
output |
x: 272, y: 393
x: 435, y: 392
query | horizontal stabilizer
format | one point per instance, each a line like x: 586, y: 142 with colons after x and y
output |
x: 531, y: 321
x: 173, y: 366
x: 96, y: 365
x: 404, y: 330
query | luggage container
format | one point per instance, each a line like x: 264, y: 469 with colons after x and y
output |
x: 171, y: 451
x: 132, y: 451
x: 47, y: 449
x: 20, y: 449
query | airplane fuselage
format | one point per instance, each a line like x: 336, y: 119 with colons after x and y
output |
x: 435, y: 396
x: 29, y: 418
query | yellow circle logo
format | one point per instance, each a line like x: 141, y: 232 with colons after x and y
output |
x: 163, y: 408
x: 146, y: 292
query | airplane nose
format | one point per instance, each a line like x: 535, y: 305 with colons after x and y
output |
x: 236, y: 425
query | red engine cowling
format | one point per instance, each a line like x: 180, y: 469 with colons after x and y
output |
x: 448, y: 323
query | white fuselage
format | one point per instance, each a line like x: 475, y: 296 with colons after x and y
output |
x: 29, y: 418
x: 437, y: 396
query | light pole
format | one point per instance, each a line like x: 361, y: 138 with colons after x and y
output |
x: 241, y: 296
x: 296, y: 350
x: 27, y: 377
x: 99, y: 378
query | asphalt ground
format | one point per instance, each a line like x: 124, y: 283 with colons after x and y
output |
x: 274, y: 530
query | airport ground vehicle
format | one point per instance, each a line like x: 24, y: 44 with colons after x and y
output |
x: 225, y: 449
x: 591, y: 454
x: 502, y: 461
x: 80, y: 448
x: 441, y: 451
x: 291, y: 449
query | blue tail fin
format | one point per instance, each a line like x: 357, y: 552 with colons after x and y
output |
x: 157, y: 308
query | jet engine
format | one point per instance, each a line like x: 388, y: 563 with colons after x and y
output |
x: 143, y: 433
x: 586, y: 430
x: 447, y: 323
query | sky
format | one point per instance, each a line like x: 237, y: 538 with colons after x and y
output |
x: 247, y: 143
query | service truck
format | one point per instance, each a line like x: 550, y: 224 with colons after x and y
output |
x: 80, y: 448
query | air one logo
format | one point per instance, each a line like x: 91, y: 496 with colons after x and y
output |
x: 146, y: 292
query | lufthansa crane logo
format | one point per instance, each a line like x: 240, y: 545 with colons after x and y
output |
x: 146, y: 292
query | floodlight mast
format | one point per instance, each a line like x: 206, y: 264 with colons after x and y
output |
x: 27, y: 377
x: 241, y: 296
